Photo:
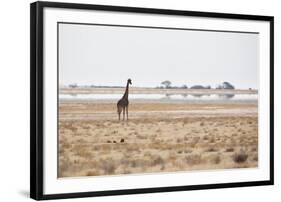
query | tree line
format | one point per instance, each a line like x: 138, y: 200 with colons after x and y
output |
x: 168, y: 85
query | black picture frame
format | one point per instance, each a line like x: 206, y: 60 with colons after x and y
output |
x: 36, y: 98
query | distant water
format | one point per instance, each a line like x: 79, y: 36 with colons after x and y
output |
x: 161, y: 97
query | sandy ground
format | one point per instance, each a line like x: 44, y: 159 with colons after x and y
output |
x: 158, y: 137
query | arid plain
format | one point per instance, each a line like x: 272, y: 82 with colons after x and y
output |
x: 160, y: 136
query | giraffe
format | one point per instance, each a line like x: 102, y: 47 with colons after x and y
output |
x: 123, y: 103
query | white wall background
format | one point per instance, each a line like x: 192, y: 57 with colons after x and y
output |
x: 14, y: 100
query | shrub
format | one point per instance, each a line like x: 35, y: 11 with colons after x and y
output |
x: 92, y: 173
x: 211, y: 149
x: 193, y: 159
x: 108, y: 166
x: 229, y: 150
x: 157, y: 161
x: 216, y: 159
x: 240, y: 157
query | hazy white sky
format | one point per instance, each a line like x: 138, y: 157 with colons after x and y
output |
x: 105, y: 55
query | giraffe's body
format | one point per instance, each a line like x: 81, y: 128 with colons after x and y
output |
x: 123, y: 103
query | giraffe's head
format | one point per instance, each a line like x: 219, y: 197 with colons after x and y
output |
x: 129, y: 81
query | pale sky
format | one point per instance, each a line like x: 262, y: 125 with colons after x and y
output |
x: 106, y: 55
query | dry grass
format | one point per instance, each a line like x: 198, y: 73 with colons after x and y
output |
x: 153, y: 142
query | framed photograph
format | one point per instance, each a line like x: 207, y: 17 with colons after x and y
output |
x: 131, y: 100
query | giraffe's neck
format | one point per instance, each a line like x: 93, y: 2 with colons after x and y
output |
x: 126, y: 92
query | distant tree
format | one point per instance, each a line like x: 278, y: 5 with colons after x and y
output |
x: 184, y: 86
x: 227, y: 85
x: 73, y: 85
x: 197, y: 87
x: 166, y: 83
x: 208, y: 87
x: 219, y: 86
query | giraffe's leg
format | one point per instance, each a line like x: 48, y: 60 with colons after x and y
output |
x: 119, y: 110
x: 127, y: 112
x: 123, y: 113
